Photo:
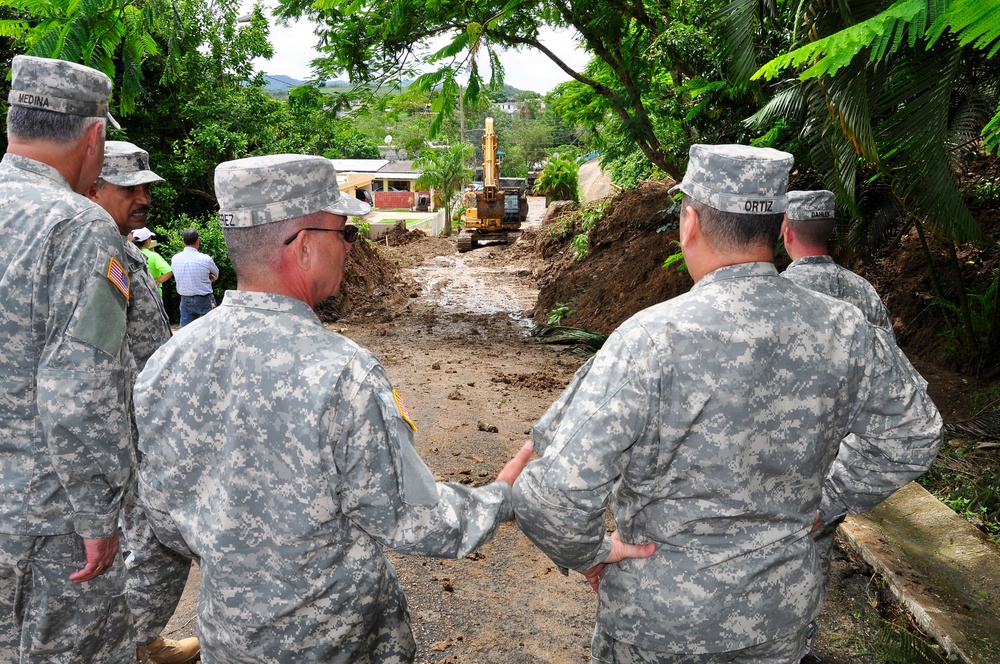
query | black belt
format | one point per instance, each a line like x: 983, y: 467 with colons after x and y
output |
x: 205, y: 295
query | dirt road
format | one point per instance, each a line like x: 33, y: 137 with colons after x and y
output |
x: 458, y: 352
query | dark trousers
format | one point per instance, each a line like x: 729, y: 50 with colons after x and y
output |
x: 194, y: 307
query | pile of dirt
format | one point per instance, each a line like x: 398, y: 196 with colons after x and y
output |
x: 372, y: 284
x: 399, y: 236
x: 622, y: 271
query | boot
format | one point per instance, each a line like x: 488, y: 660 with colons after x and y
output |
x: 168, y: 651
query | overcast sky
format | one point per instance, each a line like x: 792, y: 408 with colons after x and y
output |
x: 525, y: 70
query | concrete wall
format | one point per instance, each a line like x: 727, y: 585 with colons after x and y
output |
x: 437, y: 223
x: 377, y: 229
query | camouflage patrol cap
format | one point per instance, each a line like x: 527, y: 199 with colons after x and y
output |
x: 126, y: 165
x: 737, y: 178
x: 807, y: 205
x: 60, y: 86
x: 261, y: 190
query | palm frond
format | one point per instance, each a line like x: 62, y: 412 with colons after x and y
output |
x: 13, y: 28
x: 881, y: 34
x: 991, y: 132
x: 881, y: 216
x: 914, y: 141
x: 974, y: 22
x: 739, y: 23
x: 581, y: 340
x: 788, y: 106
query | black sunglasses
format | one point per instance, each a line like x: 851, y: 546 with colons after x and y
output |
x: 350, y: 232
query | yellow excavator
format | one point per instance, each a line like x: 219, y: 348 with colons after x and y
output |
x: 495, y: 213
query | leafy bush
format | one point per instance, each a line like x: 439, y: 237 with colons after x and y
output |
x: 559, y: 313
x: 559, y: 181
x: 983, y: 313
x: 675, y: 261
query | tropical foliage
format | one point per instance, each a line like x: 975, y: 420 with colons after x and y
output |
x: 889, y: 107
x: 559, y: 180
x: 113, y: 36
x: 658, y: 79
x: 446, y: 172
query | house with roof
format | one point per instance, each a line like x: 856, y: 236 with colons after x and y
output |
x: 391, y: 183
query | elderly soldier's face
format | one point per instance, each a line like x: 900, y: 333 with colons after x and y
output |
x: 128, y: 206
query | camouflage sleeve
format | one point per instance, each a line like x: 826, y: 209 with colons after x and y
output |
x: 543, y: 429
x: 897, y: 434
x: 155, y: 507
x: 882, y: 316
x: 388, y: 490
x: 81, y: 393
x: 560, y: 499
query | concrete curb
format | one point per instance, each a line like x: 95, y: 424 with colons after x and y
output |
x: 938, y: 566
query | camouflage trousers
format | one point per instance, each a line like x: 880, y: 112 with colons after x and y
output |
x: 787, y: 650
x: 156, y: 574
x: 45, y: 617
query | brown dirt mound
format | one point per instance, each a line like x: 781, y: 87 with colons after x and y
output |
x: 906, y: 286
x: 372, y: 284
x: 622, y: 271
x: 399, y: 236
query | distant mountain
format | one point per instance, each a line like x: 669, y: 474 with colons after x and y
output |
x: 280, y: 82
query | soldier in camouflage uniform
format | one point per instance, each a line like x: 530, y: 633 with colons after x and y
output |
x: 278, y: 454
x: 65, y: 454
x: 809, y: 225
x: 708, y: 423
x: 156, y: 574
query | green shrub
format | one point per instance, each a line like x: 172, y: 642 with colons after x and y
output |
x: 559, y: 313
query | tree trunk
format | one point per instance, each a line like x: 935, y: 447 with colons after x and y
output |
x: 972, y: 349
x: 447, y: 220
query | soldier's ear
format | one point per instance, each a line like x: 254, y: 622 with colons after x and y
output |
x: 690, y: 225
x: 786, y: 232
x: 94, y: 138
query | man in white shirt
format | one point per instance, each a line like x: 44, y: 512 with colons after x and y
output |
x: 194, y: 272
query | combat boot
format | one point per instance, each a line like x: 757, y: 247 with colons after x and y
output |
x: 168, y: 651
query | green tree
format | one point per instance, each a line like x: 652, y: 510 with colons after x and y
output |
x: 113, y: 36
x: 446, y: 172
x: 888, y: 106
x: 559, y: 180
x: 654, y: 63
x: 534, y: 138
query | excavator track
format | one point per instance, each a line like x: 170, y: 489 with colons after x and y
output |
x: 466, y: 241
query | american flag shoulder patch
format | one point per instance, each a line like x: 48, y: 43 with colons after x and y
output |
x: 118, y: 276
x: 402, y: 410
